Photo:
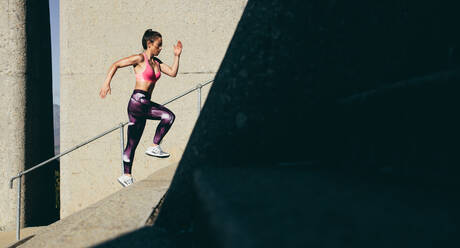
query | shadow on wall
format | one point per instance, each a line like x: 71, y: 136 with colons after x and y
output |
x: 367, y: 88
x: 41, y: 198
x: 276, y: 97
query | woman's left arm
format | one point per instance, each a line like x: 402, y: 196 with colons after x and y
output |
x: 172, y: 70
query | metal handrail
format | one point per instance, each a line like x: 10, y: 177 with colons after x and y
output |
x: 119, y: 126
x: 64, y: 153
x: 197, y: 87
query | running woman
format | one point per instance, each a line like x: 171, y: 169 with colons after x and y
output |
x: 148, y: 69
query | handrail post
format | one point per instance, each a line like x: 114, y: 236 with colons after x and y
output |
x: 199, y: 86
x: 18, y: 218
x: 122, y: 139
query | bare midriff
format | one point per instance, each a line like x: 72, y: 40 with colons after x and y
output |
x: 145, y: 86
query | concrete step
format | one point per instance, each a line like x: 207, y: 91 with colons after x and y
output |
x: 312, y: 207
x: 122, y: 212
x: 8, y: 239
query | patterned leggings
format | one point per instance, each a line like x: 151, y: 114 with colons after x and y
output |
x: 140, y: 108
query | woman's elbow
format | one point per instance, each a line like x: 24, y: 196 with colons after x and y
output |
x: 172, y: 74
x: 114, y: 66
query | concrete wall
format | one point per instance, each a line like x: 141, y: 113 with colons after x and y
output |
x: 94, y: 34
x: 12, y: 84
x: 26, y: 127
x: 353, y: 86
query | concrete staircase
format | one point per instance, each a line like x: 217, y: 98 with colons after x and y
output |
x: 329, y: 124
x: 377, y: 183
x: 122, y: 212
x: 340, y: 130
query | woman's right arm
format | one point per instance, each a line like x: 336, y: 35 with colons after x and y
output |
x: 131, y: 60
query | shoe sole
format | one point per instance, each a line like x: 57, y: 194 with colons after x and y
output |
x: 158, y: 156
x: 123, y: 184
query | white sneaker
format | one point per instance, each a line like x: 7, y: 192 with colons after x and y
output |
x: 156, y: 152
x: 125, y: 180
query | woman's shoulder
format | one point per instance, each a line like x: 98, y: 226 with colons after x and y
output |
x: 139, y: 56
x: 136, y: 58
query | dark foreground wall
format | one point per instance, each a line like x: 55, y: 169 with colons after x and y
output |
x: 40, y: 185
x: 365, y: 87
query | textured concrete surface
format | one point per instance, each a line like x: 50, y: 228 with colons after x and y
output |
x: 27, y: 127
x: 90, y: 43
x: 148, y: 237
x: 12, y: 87
x: 309, y: 206
x: 125, y: 211
x: 8, y: 239
x: 300, y: 59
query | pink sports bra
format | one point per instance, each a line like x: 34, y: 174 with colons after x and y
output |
x: 148, y: 74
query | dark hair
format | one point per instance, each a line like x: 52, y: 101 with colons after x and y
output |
x: 151, y: 36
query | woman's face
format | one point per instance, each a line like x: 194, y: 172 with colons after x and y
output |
x: 155, y: 46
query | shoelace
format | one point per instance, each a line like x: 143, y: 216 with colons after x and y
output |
x: 157, y: 149
x: 127, y: 181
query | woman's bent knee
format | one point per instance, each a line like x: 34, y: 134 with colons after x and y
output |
x: 168, y: 117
